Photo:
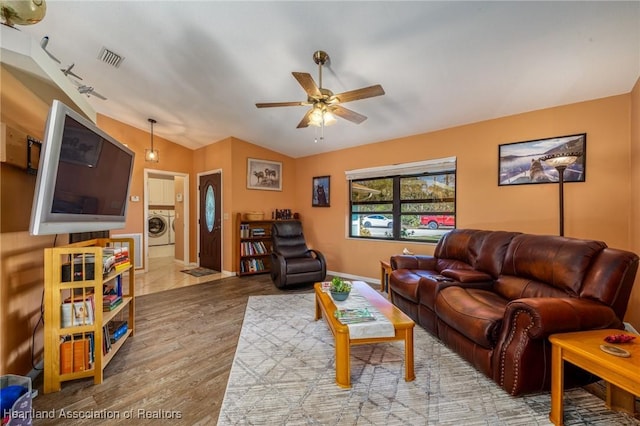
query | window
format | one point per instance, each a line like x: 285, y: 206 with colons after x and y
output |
x: 406, y: 202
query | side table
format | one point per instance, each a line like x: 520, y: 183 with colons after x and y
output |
x: 582, y: 349
x: 385, y: 271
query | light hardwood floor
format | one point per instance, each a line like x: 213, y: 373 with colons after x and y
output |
x: 164, y: 274
x: 185, y: 339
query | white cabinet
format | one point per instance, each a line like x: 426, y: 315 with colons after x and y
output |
x: 161, y: 192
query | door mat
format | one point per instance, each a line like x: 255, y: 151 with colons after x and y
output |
x: 199, y: 272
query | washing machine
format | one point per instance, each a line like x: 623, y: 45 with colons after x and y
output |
x: 159, y: 227
x: 172, y: 227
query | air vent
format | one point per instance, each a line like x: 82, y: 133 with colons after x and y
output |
x: 110, y: 57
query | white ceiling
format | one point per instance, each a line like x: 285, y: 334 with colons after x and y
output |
x: 198, y: 68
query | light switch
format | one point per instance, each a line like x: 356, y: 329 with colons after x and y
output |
x: 135, y: 198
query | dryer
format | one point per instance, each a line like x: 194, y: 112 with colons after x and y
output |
x: 159, y: 227
x: 172, y: 227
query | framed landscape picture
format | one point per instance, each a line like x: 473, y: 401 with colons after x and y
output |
x: 320, y: 190
x: 264, y: 174
x: 522, y: 163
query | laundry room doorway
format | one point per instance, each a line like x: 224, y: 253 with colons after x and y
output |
x: 166, y: 211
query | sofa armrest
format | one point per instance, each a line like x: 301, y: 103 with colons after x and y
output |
x: 548, y: 315
x: 405, y: 261
x: 466, y: 275
x: 522, y: 357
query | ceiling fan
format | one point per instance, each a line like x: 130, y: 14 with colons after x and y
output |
x: 324, y: 103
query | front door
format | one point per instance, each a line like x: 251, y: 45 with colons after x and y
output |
x: 210, y: 222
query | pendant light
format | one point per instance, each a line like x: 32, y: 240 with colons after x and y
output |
x: 151, y: 155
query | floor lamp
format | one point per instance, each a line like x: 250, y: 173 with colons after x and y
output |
x: 561, y: 161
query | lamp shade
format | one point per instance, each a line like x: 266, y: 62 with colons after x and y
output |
x: 563, y: 159
x: 151, y: 155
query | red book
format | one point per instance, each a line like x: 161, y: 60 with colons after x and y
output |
x: 76, y: 360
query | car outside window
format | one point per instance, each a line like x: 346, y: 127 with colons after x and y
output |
x: 417, y: 207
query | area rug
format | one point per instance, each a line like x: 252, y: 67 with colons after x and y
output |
x: 199, y: 272
x: 283, y: 373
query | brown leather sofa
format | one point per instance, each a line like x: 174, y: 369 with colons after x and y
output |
x: 506, y: 292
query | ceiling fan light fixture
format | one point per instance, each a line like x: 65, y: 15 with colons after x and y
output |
x: 321, y: 116
x: 315, y: 119
x: 326, y: 106
x: 329, y: 118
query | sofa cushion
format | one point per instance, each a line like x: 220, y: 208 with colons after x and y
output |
x: 512, y: 288
x: 404, y: 282
x: 460, y: 245
x: 492, y: 252
x: 611, y: 266
x: 558, y: 261
x: 475, y: 313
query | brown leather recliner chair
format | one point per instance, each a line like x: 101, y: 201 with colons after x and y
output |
x: 292, y: 262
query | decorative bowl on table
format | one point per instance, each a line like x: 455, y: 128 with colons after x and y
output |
x: 339, y: 289
x: 340, y: 296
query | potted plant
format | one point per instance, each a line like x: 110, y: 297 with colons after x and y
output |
x: 340, y: 288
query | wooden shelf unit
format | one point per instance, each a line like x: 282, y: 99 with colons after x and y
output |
x: 65, y: 279
x: 251, y: 248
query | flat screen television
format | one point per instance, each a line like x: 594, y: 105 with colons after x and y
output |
x: 83, y: 177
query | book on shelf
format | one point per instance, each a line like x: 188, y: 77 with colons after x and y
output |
x: 115, y: 259
x: 110, y: 302
x: 75, y: 311
x: 252, y: 265
x: 117, y: 329
x: 106, y: 341
x: 244, y: 230
x: 354, y: 316
x: 113, y: 287
x: 258, y: 232
x: 75, y: 355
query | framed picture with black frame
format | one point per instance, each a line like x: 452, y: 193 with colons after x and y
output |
x: 321, y: 187
x: 532, y: 162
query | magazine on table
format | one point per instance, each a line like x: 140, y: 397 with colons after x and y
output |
x: 353, y: 316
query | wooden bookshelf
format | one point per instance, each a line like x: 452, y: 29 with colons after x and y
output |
x: 253, y: 246
x: 73, y: 308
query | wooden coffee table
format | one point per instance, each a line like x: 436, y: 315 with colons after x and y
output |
x: 583, y: 349
x: 402, y: 324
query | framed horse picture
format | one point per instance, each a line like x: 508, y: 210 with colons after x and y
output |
x: 264, y: 174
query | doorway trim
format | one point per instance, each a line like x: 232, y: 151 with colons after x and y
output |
x: 225, y: 216
x: 187, y: 215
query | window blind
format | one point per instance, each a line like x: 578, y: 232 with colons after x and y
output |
x: 428, y: 166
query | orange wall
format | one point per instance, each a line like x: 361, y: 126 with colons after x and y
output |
x: 597, y: 209
x: 21, y: 255
x: 230, y: 156
x: 173, y: 157
x: 633, y: 316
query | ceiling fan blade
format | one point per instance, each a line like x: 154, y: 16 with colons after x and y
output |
x: 305, y: 120
x: 307, y: 83
x: 354, y: 95
x: 347, y: 114
x: 98, y: 95
x: 280, y: 104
